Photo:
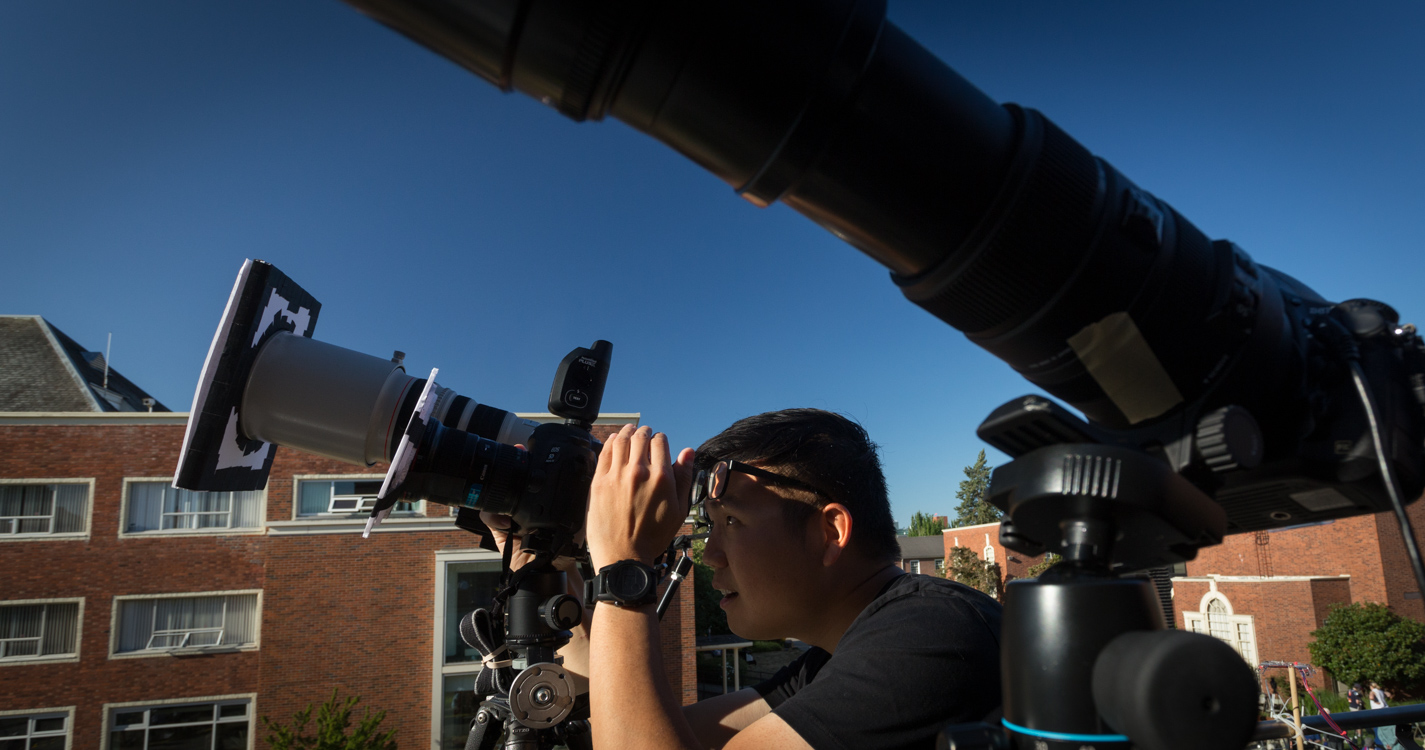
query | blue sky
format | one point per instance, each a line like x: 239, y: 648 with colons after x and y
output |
x: 147, y: 148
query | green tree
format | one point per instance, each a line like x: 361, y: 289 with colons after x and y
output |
x: 966, y: 567
x: 974, y: 509
x: 333, y: 719
x: 1361, y: 642
x: 925, y: 524
x: 1038, y: 568
x: 708, y: 617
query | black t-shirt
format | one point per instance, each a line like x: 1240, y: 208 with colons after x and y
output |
x: 924, y: 653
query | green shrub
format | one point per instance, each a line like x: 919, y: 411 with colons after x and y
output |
x: 333, y: 719
x: 1038, y: 568
x: 1364, y: 642
x: 1334, y: 703
x: 966, y: 567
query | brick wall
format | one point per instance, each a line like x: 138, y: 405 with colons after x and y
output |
x: 927, y: 564
x: 338, y: 611
x: 1402, y: 592
x: 105, y: 566
x: 677, y: 640
x: 1346, y: 546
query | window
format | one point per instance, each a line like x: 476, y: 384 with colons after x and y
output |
x: 157, y: 506
x: 914, y: 566
x: 940, y: 566
x: 30, y: 510
x: 38, y: 630
x: 213, y: 725
x: 34, y: 730
x: 342, y: 497
x: 1215, y: 618
x: 465, y: 581
x: 168, y: 623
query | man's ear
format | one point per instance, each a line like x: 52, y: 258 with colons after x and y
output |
x: 834, y: 522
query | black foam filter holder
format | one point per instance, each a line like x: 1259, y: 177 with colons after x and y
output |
x: 216, y: 456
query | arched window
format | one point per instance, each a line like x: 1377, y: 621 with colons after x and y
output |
x: 989, y: 552
x: 1216, y: 618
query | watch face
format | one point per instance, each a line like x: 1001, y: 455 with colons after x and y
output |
x: 628, y: 581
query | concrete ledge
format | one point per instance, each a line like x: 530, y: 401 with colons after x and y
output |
x: 357, y: 525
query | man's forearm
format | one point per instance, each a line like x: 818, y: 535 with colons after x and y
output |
x: 631, y: 702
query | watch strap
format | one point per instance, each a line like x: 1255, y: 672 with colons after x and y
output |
x: 600, y: 590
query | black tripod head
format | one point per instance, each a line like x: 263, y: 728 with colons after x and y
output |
x: 1086, y: 656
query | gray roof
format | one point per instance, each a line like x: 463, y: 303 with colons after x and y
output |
x: 42, y: 369
x: 921, y: 547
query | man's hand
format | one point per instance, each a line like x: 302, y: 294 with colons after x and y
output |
x: 639, y: 497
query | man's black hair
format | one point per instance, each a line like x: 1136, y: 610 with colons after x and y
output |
x: 827, y: 451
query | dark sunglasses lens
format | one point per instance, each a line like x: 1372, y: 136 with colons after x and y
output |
x: 700, y: 497
x: 718, y: 481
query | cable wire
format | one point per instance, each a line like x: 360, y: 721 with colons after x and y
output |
x: 1412, y: 549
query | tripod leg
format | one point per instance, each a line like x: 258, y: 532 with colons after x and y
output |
x: 519, y: 736
x: 577, y: 736
x: 484, y: 730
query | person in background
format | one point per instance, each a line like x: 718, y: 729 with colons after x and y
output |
x: 1384, y: 736
x: 1355, y: 699
x: 1378, y: 697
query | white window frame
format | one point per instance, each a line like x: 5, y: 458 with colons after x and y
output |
x: 124, y: 504
x: 363, y: 504
x: 149, y: 653
x: 67, y: 711
x: 912, y: 566
x: 1199, y: 622
x: 106, y: 725
x: 354, y: 522
x: 50, y: 536
x: 439, y: 670
x: 56, y: 658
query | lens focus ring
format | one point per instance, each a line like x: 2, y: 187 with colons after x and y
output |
x: 507, y: 474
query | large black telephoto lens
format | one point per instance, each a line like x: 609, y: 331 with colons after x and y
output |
x: 989, y: 217
x: 464, y: 470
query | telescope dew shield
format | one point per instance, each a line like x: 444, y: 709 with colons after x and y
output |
x: 216, y: 455
x: 267, y: 383
x: 310, y: 395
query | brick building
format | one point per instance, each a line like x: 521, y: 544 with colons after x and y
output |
x: 922, y: 554
x: 1264, y: 592
x: 133, y: 613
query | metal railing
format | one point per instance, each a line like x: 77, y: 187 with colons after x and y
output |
x: 1402, y: 718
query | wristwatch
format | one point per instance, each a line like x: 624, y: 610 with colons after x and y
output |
x: 626, y: 583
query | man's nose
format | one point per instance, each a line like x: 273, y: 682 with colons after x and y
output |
x: 712, y: 553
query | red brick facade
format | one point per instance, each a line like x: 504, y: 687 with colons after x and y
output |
x: 1288, y: 580
x: 986, y: 536
x: 337, y: 611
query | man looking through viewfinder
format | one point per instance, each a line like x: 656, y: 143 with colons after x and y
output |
x: 802, y: 545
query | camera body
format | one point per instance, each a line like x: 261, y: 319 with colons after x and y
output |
x: 543, y: 485
x: 1294, y: 452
